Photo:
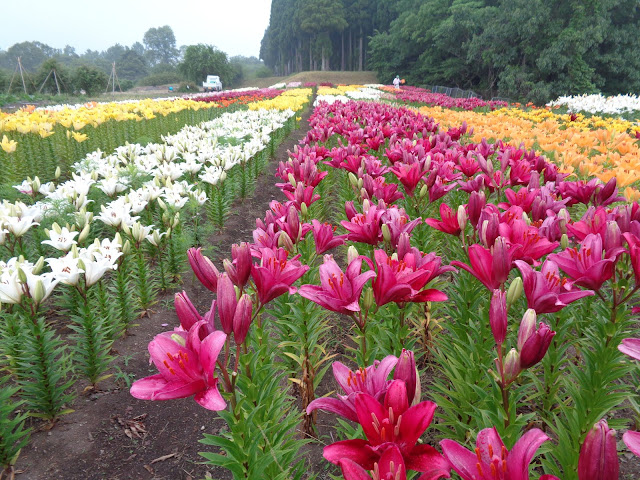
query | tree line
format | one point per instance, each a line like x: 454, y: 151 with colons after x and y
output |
x: 155, y: 61
x: 521, y: 49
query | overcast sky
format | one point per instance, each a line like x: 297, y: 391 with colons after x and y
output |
x: 234, y: 26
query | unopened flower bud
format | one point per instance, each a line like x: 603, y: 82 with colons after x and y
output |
x: 367, y: 299
x: 22, y: 276
x: 74, y: 251
x: 163, y: 205
x: 292, y: 180
x: 424, y: 191
x: 498, y: 316
x: 427, y: 163
x: 37, y: 268
x: 353, y: 180
x: 564, y: 241
x: 527, y: 326
x: 125, y: 228
x: 462, y: 217
x: 223, y: 176
x: 386, y: 233
x: 84, y: 233
x: 126, y: 248
x: 511, y: 365
x: 598, y: 458
x: 360, y: 183
x: 38, y: 292
x: 284, y: 241
x: 81, y: 264
x: 352, y: 254
x: 56, y: 228
x: 514, y: 292
x: 304, y: 210
x: 57, y: 173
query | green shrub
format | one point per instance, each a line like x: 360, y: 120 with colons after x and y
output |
x: 188, y: 87
x: 90, y: 79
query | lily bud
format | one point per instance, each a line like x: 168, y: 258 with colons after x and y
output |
x: 462, y: 217
x: 284, y: 241
x: 37, y: 268
x: 612, y: 236
x: 366, y: 205
x: 498, y: 316
x: 404, y: 244
x: 423, y: 191
x: 117, y: 239
x: 360, y: 183
x: 223, y: 176
x: 35, y: 185
x: 386, y: 233
x: 161, y: 203
x: 179, y: 339
x: 227, y: 302
x: 563, y: 219
x: 125, y: 228
x: 368, y: 299
x: 74, y: 251
x: 527, y: 327
x: 293, y: 182
x: 514, y: 292
x: 56, y: 228
x: 38, y: 292
x: 512, y: 365
x: 353, y: 180
x: 242, y: 319
x: 81, y: 264
x: 304, y: 210
x: 187, y: 313
x: 22, y: 276
x: 126, y: 248
x: 501, y: 264
x: 407, y: 372
x: 203, y: 268
x: 598, y: 456
x: 84, y: 233
x: 352, y: 254
x: 564, y: 241
x: 57, y: 173
x: 427, y: 163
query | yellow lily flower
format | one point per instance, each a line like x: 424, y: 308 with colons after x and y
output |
x: 79, y: 137
x: 7, y: 145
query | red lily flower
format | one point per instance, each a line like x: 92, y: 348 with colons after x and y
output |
x: 394, y: 423
x: 338, y: 292
x: 586, y: 266
x: 533, y: 246
x: 403, y: 280
x: 276, y: 273
x: 545, y: 290
x: 204, y: 268
x: 371, y: 380
x: 449, y: 222
x: 302, y: 194
x: 491, y: 458
x: 186, y: 364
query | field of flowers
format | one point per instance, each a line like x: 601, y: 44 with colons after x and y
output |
x: 467, y: 271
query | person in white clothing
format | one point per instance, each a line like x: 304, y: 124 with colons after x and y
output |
x: 396, y: 82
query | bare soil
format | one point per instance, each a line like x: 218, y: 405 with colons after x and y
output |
x: 112, y: 435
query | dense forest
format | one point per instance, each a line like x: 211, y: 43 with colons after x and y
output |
x: 520, y: 49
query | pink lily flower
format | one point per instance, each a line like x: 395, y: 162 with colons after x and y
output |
x: 491, y: 459
x: 532, y: 245
x: 338, y: 292
x: 599, y: 456
x: 186, y: 365
x: 409, y: 175
x: 586, y: 266
x: 634, y: 253
x: 398, y: 222
x: 533, y: 342
x: 403, y: 280
x: 545, y: 290
x: 630, y: 347
x: 276, y: 273
x: 239, y: 269
x: 393, y: 423
x: 490, y: 266
x: 302, y: 194
x: 632, y: 440
x: 449, y: 222
x: 324, y: 238
x: 389, y: 467
x: 371, y: 380
x: 365, y: 227
x: 204, y: 268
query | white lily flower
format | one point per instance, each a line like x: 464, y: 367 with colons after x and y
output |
x: 10, y: 287
x: 48, y: 282
x: 61, y: 241
x: 66, y: 269
x: 19, y: 226
x: 94, y: 270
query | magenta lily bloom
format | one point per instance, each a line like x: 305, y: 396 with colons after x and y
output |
x: 545, y: 290
x: 391, y: 423
x: 634, y: 254
x: 371, y: 380
x: 449, y: 222
x: 338, y: 292
x: 187, y: 313
x: 632, y: 440
x: 586, y: 266
x: 365, y: 227
x: 324, y: 238
x: 204, y: 268
x: 409, y: 175
x: 239, y: 270
x: 390, y: 466
x: 490, y: 266
x: 630, y: 347
x: 599, y: 456
x: 276, y: 273
x: 403, y: 280
x: 186, y: 365
x: 492, y: 460
x: 533, y: 342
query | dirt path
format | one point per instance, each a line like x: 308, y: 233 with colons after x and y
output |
x: 99, y: 439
